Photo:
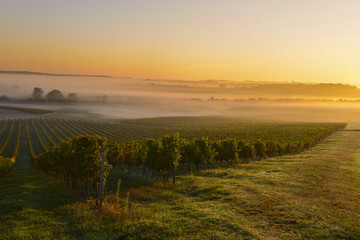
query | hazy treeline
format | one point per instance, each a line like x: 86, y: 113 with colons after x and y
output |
x: 38, y: 95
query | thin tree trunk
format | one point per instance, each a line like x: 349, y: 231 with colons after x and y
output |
x: 204, y: 164
x: 189, y: 166
x: 123, y: 161
x: 173, y: 174
x: 87, y: 190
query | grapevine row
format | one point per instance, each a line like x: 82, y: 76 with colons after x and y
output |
x: 51, y: 123
x: 45, y: 133
x: 16, y: 151
x: 7, y: 139
x: 3, y: 128
x: 64, y: 129
x: 31, y: 150
x: 52, y: 132
x: 66, y: 124
x: 38, y: 137
x: 7, y: 163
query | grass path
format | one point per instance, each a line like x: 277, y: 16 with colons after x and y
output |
x: 30, y: 202
x: 313, y: 195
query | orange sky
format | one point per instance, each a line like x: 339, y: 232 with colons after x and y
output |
x: 200, y: 39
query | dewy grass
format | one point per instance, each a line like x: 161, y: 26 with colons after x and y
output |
x: 313, y: 195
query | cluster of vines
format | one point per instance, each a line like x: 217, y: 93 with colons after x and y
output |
x: 76, y: 161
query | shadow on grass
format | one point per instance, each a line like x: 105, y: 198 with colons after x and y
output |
x: 22, y: 189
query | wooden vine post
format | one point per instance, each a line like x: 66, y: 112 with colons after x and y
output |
x: 101, y: 176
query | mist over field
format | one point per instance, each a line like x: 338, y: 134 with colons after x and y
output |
x: 140, y: 98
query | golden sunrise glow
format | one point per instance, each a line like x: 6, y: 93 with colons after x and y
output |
x: 259, y: 40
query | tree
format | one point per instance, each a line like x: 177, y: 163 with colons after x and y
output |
x: 103, y: 99
x: 72, y: 97
x: 54, y: 96
x: 37, y: 94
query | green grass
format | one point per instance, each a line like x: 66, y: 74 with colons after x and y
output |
x: 313, y: 195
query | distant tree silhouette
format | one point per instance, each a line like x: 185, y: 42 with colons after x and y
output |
x: 72, y: 97
x: 4, y: 98
x: 55, y: 96
x: 102, y: 99
x: 37, y: 94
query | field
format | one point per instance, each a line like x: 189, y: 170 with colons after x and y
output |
x: 44, y: 133
x: 308, y: 195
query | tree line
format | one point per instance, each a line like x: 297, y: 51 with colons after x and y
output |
x: 54, y: 95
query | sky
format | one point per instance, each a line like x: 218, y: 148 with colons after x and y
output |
x: 260, y: 40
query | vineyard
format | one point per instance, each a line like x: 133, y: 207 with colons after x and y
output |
x: 223, y: 198
x: 203, y: 142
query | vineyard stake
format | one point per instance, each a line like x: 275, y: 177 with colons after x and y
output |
x: 101, y: 176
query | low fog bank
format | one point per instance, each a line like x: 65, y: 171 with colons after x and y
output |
x: 166, y: 107
x: 114, y: 98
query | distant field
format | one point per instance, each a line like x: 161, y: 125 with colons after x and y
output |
x: 28, y: 110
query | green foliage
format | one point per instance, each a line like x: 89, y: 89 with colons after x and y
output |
x: 204, y: 152
x: 260, y: 149
x: 78, y: 158
x: 114, y: 154
x: 6, y: 164
x: 227, y: 150
x: 153, y: 155
x: 170, y: 152
x: 247, y: 152
x: 188, y: 152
